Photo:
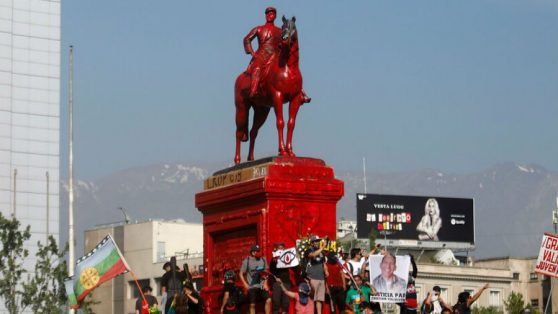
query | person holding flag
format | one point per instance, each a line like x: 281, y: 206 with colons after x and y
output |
x: 143, y: 307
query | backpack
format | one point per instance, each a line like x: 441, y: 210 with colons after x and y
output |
x: 257, y: 277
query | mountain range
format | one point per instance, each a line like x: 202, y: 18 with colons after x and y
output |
x: 513, y: 203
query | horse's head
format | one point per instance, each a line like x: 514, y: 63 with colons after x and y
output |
x: 288, y: 30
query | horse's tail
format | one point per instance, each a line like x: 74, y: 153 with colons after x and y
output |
x: 242, y: 106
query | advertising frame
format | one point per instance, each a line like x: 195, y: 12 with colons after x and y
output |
x: 404, y: 213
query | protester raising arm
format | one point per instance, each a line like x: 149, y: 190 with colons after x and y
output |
x: 290, y: 294
x: 427, y: 307
x: 443, y: 303
x: 472, y: 299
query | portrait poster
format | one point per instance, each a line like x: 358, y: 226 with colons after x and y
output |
x: 389, y: 277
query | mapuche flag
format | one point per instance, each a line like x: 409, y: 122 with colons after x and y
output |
x: 103, y: 263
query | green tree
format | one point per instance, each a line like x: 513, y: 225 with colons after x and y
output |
x: 372, y: 236
x: 42, y: 291
x: 12, y: 256
x: 514, y: 304
x: 531, y: 309
x: 485, y: 310
x: 46, y: 287
x: 86, y: 305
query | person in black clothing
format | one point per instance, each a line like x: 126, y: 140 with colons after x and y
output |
x: 151, y: 300
x: 465, y: 300
x: 279, y: 300
x: 410, y: 305
x: 195, y: 302
x: 171, y: 282
x: 232, y: 295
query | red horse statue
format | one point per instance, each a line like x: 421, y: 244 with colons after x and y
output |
x: 280, y: 84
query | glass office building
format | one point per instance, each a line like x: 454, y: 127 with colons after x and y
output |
x: 30, y: 115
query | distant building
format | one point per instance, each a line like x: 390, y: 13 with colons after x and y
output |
x: 346, y: 227
x: 146, y: 246
x: 30, y: 117
x: 535, y: 288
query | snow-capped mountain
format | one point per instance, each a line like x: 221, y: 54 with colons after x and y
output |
x: 513, y: 203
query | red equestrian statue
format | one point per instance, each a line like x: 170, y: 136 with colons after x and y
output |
x: 272, y: 79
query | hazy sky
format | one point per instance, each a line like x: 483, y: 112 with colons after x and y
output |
x: 449, y: 85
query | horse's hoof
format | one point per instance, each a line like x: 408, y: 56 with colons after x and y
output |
x: 236, y: 161
x: 306, y: 99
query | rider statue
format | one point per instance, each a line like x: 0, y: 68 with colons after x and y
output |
x: 269, y: 47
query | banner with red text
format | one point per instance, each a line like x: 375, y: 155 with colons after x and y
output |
x: 547, y: 263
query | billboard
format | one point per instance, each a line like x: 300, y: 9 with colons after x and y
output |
x: 417, y: 220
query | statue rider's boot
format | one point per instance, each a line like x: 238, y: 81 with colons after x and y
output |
x: 255, y: 82
x: 305, y: 98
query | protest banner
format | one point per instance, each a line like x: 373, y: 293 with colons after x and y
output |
x: 547, y: 262
x: 389, y: 276
x: 286, y: 258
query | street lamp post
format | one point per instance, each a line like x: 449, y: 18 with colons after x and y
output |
x: 555, y: 217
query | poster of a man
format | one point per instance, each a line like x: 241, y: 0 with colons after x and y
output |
x: 389, y: 275
x: 431, y: 222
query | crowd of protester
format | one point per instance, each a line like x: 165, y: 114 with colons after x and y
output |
x: 341, y: 280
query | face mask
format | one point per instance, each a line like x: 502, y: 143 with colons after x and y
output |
x: 258, y: 254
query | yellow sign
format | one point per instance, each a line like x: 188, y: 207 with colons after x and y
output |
x: 236, y: 176
x: 328, y: 245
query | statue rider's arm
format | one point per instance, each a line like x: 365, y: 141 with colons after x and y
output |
x: 248, y: 41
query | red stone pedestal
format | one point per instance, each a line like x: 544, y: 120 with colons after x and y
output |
x: 263, y: 202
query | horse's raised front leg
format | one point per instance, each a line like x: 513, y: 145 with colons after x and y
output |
x: 260, y: 115
x: 293, y: 111
x: 278, y: 107
x: 242, y: 112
